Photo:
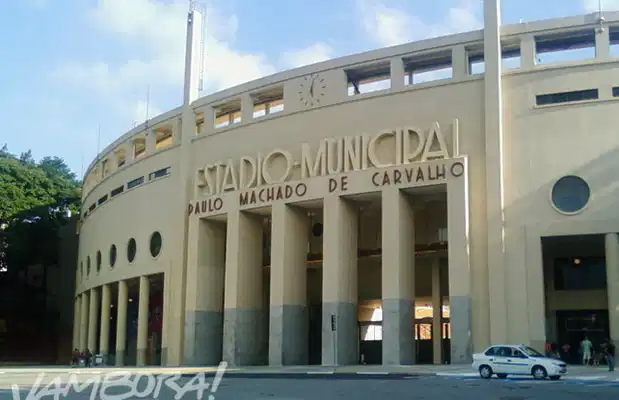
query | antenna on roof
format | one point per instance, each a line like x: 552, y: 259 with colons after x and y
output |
x: 600, y: 17
x: 147, y: 104
x: 98, y: 140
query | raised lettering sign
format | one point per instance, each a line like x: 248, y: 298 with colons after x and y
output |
x: 331, y: 157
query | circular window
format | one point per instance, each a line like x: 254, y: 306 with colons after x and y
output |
x: 131, y: 249
x: 88, y: 266
x: 570, y: 194
x: 113, y: 255
x: 155, y: 244
x: 98, y: 261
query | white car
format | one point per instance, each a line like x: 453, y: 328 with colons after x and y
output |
x: 504, y: 360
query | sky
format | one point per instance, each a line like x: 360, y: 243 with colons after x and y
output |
x: 77, y: 74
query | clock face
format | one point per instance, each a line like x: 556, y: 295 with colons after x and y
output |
x: 312, y: 90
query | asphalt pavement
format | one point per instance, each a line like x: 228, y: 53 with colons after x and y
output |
x: 323, y: 387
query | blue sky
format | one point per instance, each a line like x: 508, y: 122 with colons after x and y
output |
x: 70, y: 66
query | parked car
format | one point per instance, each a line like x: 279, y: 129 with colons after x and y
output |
x: 504, y: 360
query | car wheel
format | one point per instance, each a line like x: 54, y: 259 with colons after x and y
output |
x: 485, y: 372
x: 555, y: 378
x: 502, y: 376
x: 539, y: 372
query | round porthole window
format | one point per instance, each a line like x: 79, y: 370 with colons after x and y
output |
x: 113, y: 255
x: 131, y: 250
x: 570, y: 194
x: 155, y: 244
x: 88, y: 266
x: 98, y: 261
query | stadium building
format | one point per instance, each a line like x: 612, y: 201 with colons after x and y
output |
x: 411, y: 204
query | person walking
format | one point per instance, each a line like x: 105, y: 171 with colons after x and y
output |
x: 609, y: 351
x: 585, y: 349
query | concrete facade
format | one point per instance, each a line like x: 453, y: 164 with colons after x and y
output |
x: 235, y: 185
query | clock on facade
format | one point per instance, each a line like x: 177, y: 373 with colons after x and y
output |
x: 312, y: 90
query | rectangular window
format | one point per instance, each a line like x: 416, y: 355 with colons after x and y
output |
x: 163, y: 138
x: 369, y: 78
x: 428, y: 68
x: 586, y: 273
x: 159, y: 173
x: 118, y: 191
x: 228, y: 114
x: 92, y: 207
x: 566, y: 97
x: 616, y: 91
x: 102, y: 200
x: 135, y: 182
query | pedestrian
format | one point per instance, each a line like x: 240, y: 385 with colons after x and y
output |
x: 609, y: 350
x: 585, y: 349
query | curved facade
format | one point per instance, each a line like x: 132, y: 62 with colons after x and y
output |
x: 294, y: 219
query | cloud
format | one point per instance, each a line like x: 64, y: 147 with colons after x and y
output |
x: 389, y: 26
x: 607, y: 5
x: 315, y: 53
x: 154, y: 32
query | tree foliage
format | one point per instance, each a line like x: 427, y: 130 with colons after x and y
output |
x: 34, y: 199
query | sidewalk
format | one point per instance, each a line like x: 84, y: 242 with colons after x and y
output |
x: 579, y: 372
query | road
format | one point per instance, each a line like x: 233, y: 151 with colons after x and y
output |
x: 355, y: 387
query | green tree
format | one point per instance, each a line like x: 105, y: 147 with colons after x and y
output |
x: 34, y: 198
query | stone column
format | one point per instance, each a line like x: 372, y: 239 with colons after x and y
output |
x: 245, y: 341
x: 84, y: 321
x: 93, y: 319
x: 104, y: 335
x: 612, y: 284
x: 398, y: 278
x: 528, y: 53
x: 76, y: 322
x: 339, y: 283
x: 289, y: 323
x: 143, y: 320
x: 437, y: 313
x: 602, y: 42
x: 121, y: 323
x: 460, y: 296
x: 205, y: 291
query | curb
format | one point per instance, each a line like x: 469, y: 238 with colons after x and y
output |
x: 314, y: 375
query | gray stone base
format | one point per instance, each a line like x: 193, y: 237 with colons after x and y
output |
x: 340, y: 347
x: 245, y: 337
x: 120, y: 358
x: 288, y: 335
x: 398, y: 340
x: 203, y: 337
x: 460, y: 308
x: 141, y: 357
x: 164, y: 356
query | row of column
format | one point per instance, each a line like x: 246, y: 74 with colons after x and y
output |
x: 244, y: 336
x: 86, y: 318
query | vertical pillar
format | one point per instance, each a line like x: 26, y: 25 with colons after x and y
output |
x: 84, y: 321
x: 493, y: 127
x: 602, y: 42
x: 121, y: 323
x: 437, y: 313
x: 245, y: 339
x: 459, y: 62
x: 76, y: 322
x: 247, y: 108
x: 104, y: 335
x: 460, y: 296
x: 165, y: 331
x: 339, y: 283
x: 205, y: 291
x: 289, y: 324
x: 397, y: 73
x: 142, y: 344
x: 398, y: 278
x: 612, y: 284
x: 151, y: 141
x: 528, y: 52
x: 93, y: 319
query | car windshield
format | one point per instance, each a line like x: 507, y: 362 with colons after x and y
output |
x: 531, y: 352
